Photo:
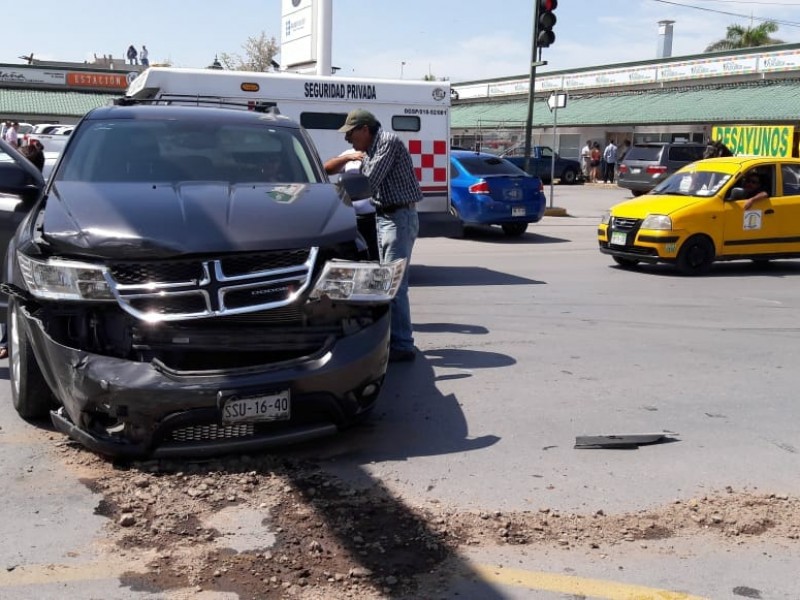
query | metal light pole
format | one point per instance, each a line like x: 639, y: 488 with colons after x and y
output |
x: 532, y: 87
x: 402, y: 64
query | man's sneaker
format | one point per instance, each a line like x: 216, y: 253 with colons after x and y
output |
x: 397, y: 355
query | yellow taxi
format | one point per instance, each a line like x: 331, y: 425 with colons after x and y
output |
x: 739, y: 207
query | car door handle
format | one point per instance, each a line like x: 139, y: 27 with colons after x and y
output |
x: 769, y: 211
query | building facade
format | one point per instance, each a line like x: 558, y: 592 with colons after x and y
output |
x: 671, y: 99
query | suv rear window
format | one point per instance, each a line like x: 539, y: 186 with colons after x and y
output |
x: 686, y: 153
x: 645, y: 152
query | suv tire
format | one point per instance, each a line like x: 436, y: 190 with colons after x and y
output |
x: 30, y: 393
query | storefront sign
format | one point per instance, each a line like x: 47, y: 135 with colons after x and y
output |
x: 115, y: 81
x: 11, y: 76
x: 756, y: 140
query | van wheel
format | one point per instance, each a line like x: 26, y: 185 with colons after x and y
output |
x: 626, y: 263
x: 514, y: 229
x: 569, y: 177
x: 29, y: 391
x: 637, y: 193
x: 696, y: 255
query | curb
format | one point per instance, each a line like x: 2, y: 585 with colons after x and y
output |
x: 555, y: 211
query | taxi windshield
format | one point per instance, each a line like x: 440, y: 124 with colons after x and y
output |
x: 692, y: 183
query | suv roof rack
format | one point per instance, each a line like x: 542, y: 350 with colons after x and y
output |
x: 260, y: 106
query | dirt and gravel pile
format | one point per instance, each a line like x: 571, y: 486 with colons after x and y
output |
x: 294, y: 531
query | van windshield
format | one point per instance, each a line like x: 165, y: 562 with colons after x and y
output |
x: 692, y: 183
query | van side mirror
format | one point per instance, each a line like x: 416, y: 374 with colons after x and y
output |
x: 736, y: 193
x: 354, y: 185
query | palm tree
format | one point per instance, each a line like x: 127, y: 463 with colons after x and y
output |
x: 738, y: 36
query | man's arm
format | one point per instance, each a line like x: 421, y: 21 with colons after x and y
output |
x: 337, y: 163
x: 762, y: 195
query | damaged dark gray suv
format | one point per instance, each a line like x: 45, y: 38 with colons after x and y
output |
x: 188, y: 282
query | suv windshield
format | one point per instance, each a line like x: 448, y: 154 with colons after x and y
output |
x: 692, y: 183
x: 174, y: 151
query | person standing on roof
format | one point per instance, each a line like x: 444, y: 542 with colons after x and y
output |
x: 143, y: 56
x: 132, y: 55
x: 395, y: 192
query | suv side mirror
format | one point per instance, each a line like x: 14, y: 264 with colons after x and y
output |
x: 354, y: 184
x: 16, y: 180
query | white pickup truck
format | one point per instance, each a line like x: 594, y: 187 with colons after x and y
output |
x: 55, y: 140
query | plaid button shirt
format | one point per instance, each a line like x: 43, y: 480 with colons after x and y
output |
x: 390, y: 171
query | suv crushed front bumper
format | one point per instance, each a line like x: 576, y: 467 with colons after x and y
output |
x: 129, y: 409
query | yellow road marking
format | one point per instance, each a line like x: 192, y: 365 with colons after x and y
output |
x: 579, y: 586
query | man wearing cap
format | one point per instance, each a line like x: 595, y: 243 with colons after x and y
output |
x: 386, y: 162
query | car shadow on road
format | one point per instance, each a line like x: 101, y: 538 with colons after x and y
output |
x: 488, y: 234
x: 412, y: 419
x: 777, y: 268
x: 435, y: 276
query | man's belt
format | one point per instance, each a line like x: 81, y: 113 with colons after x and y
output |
x: 392, y: 208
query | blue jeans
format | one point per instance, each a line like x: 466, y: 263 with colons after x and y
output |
x: 396, y: 235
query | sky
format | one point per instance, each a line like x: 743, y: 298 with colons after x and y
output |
x: 461, y: 40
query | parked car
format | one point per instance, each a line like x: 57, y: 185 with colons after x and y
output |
x: 541, y: 165
x: 701, y: 214
x: 647, y: 165
x: 486, y: 189
x: 189, y: 282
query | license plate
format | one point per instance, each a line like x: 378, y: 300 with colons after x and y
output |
x: 262, y: 407
x: 518, y: 211
x: 635, y: 170
x: 619, y: 238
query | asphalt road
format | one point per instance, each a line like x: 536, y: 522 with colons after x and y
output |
x: 524, y: 345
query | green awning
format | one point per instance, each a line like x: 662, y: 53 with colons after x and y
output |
x: 766, y: 102
x: 45, y: 102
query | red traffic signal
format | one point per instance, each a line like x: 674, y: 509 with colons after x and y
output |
x: 545, y: 23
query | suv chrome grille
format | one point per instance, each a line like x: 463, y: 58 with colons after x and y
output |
x: 183, y: 289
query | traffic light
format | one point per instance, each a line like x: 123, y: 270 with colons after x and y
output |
x: 546, y: 22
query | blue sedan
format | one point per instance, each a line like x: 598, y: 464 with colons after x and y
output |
x: 489, y: 190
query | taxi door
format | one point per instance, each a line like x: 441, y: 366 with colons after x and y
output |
x: 789, y: 207
x: 755, y: 231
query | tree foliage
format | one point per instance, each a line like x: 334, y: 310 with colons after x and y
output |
x: 259, y: 55
x: 738, y: 36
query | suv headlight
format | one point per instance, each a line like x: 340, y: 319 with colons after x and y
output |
x: 360, y: 281
x: 55, y: 279
x: 606, y: 218
x: 662, y: 222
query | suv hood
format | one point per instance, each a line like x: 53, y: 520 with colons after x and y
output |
x: 650, y: 204
x: 145, y: 220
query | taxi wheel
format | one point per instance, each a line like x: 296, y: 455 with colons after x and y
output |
x: 696, y: 255
x: 626, y: 263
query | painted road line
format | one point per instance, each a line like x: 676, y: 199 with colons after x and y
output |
x: 579, y: 586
